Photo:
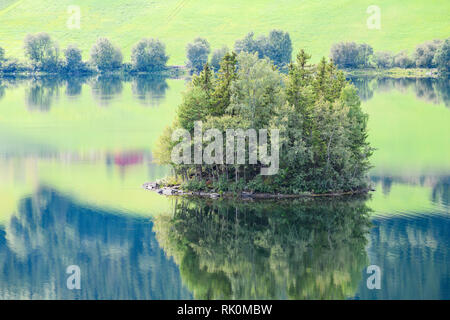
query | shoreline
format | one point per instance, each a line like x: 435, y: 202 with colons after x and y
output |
x: 395, y: 73
x: 244, y: 195
x: 179, y: 71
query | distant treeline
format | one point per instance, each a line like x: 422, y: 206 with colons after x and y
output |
x: 149, y: 55
x: 430, y: 54
x: 44, y: 55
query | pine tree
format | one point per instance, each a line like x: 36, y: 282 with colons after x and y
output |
x: 226, y: 75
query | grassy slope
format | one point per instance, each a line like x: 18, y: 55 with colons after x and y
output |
x: 313, y: 24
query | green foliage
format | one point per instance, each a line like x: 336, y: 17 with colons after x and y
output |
x: 402, y: 60
x: 105, y: 56
x: 224, y: 79
x: 194, y: 185
x: 442, y: 57
x: 11, y: 65
x: 311, y: 24
x: 424, y: 54
x: 383, y: 59
x: 301, y: 249
x: 149, y: 55
x: 351, y: 54
x: 257, y: 90
x: 197, y: 54
x: 217, y: 57
x: 322, y: 128
x: 42, y: 51
x: 73, y: 61
x: 277, y: 47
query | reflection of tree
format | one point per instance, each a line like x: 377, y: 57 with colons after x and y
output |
x: 106, y: 88
x: 425, y: 90
x: 118, y: 255
x: 74, y: 86
x: 2, y: 89
x: 443, y: 90
x: 386, y: 185
x: 42, y: 92
x: 441, y: 192
x: 149, y: 89
x: 301, y: 249
x: 363, y: 85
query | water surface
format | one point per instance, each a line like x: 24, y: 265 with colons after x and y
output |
x: 75, y: 152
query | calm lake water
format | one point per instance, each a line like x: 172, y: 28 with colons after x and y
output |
x: 75, y: 152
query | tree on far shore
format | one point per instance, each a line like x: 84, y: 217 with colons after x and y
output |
x: 149, y: 55
x: 105, y: 56
x: 74, y: 60
x: 42, y: 51
x: 197, y: 54
x: 442, y: 57
x: 217, y: 57
x: 277, y: 47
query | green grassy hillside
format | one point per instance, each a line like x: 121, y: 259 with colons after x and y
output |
x: 312, y: 24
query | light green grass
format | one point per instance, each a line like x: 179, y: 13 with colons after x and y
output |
x: 313, y: 25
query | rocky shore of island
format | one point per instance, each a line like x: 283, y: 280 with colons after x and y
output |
x: 176, y: 190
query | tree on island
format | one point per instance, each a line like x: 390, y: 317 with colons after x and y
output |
x: 323, y: 131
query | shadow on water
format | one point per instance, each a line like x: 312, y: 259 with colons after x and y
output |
x: 118, y: 255
x: 301, y: 249
x: 430, y: 90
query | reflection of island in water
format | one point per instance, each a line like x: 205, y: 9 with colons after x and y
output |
x: 303, y: 249
x: 118, y: 255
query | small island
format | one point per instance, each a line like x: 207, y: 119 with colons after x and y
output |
x: 320, y: 146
